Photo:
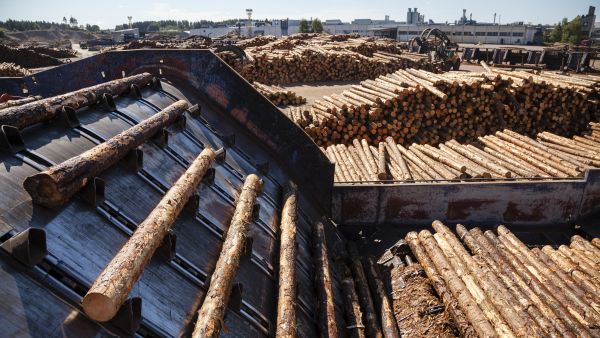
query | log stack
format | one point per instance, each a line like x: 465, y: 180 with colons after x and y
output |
x: 9, y: 69
x: 416, y: 106
x: 317, y: 57
x: 494, y: 285
x: 279, y: 96
x: 503, y: 155
x: 27, y: 58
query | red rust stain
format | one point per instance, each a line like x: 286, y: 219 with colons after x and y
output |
x: 240, y: 114
x: 216, y: 93
x: 515, y: 214
x: 462, y: 209
x: 405, y: 208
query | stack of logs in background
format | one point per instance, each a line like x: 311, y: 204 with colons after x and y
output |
x: 503, y: 155
x: 492, y: 284
x: 317, y: 57
x: 279, y: 96
x: 10, y: 69
x: 415, y: 106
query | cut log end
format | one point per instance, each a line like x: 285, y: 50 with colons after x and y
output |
x: 99, y: 307
x: 43, y: 190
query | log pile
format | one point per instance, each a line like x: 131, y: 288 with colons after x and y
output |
x: 316, y: 57
x: 415, y: 106
x: 279, y: 96
x: 492, y: 284
x: 503, y: 155
x: 9, y: 69
x: 27, y: 58
x: 59, y: 53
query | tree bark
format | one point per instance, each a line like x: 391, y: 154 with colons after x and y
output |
x: 364, y: 294
x: 286, y: 302
x: 212, y: 312
x: 326, y: 305
x: 55, y: 186
x: 47, y: 109
x: 460, y: 320
x: 459, y: 290
x: 388, y: 321
x: 114, y: 283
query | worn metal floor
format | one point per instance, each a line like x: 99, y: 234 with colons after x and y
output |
x: 83, y: 237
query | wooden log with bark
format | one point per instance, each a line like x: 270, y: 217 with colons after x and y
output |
x: 112, y: 286
x: 286, y: 301
x: 55, y: 186
x: 212, y: 312
x: 49, y: 108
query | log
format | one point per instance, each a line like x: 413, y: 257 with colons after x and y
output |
x: 373, y: 328
x: 508, y: 307
x: 286, y: 301
x: 55, y: 186
x: 459, y: 290
x: 472, y: 283
x: 521, y: 291
x: 212, y: 312
x: 386, y: 314
x: 458, y: 316
x: 381, y: 174
x: 326, y: 304
x: 353, y: 310
x: 548, y: 292
x: 47, y: 109
x: 584, y: 313
x: 112, y: 286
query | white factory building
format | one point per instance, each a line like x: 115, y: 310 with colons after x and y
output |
x: 462, y: 31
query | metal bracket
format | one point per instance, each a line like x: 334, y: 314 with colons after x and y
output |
x: 161, y: 138
x: 235, y: 299
x: 263, y: 168
x: 28, y: 247
x: 93, y: 192
x: 108, y: 102
x: 70, y: 116
x: 168, y: 248
x: 156, y: 85
x: 134, y: 159
x: 220, y: 155
x: 129, y: 316
x: 193, y: 204
x: 248, y: 248
x: 255, y: 212
x: 135, y: 92
x: 11, y: 139
x: 179, y: 123
x: 195, y: 110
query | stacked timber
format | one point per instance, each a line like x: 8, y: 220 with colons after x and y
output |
x: 503, y: 155
x: 27, y: 58
x: 492, y: 284
x: 316, y: 57
x: 279, y: 96
x: 10, y: 69
x: 416, y: 106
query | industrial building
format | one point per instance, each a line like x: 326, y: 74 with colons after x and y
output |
x: 464, y: 30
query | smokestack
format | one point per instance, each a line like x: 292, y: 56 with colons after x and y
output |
x: 464, y: 14
x: 471, y: 17
x: 494, y: 18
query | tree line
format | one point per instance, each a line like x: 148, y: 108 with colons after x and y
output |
x: 314, y: 26
x: 565, y: 31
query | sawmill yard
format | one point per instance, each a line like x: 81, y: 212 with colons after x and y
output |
x: 372, y: 115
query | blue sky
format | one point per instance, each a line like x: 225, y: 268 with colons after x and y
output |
x: 108, y: 13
